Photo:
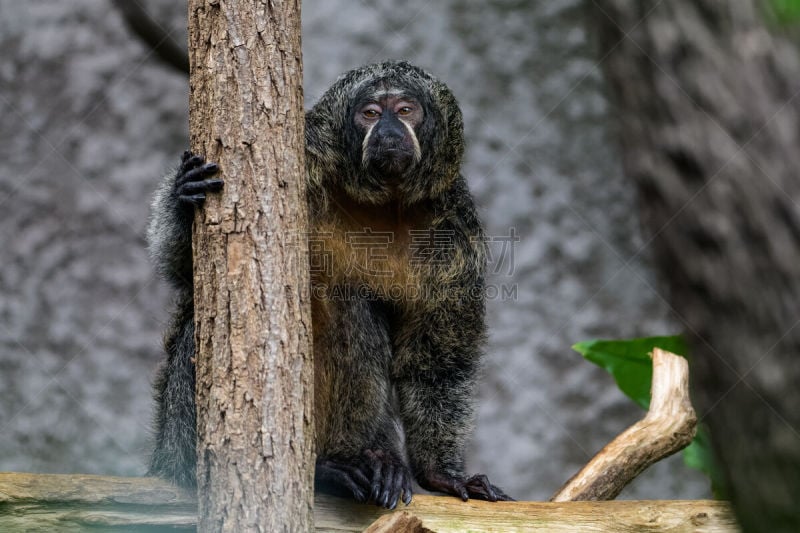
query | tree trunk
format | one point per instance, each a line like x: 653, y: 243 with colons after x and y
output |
x: 253, y: 322
x: 710, y: 120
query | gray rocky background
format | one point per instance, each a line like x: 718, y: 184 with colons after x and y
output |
x: 91, y: 119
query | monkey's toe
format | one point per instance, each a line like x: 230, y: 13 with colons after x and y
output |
x: 477, y: 486
x: 391, y: 478
x: 336, y: 477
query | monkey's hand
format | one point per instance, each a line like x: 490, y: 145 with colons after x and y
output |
x: 194, y: 179
x: 478, y: 486
x: 377, y: 475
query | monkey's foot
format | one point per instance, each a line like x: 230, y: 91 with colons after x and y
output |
x: 391, y: 478
x: 377, y: 475
x: 339, y: 477
x: 193, y: 179
x: 477, y: 486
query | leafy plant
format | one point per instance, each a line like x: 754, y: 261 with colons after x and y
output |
x: 784, y: 12
x: 629, y: 363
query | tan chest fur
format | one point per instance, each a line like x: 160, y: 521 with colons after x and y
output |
x: 369, y: 248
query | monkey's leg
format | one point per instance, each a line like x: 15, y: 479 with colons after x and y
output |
x: 174, y: 456
x: 357, y: 440
x: 436, y: 359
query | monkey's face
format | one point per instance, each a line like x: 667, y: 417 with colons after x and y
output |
x: 385, y: 132
x: 388, y: 121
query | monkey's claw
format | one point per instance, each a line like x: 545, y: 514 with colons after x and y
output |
x: 194, y: 179
x: 477, y: 486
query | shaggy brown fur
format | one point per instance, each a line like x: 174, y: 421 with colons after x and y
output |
x: 397, y: 260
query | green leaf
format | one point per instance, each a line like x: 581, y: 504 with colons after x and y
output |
x: 628, y: 361
x: 785, y: 11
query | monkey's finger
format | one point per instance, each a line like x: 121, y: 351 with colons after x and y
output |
x: 455, y: 487
x: 193, y: 161
x: 332, y: 472
x: 355, y: 473
x: 196, y: 187
x: 407, y: 492
x: 377, y: 474
x: 479, y: 487
x: 198, y: 173
x: 397, y: 485
x: 502, y: 496
x: 193, y: 199
x: 448, y: 485
x: 387, y: 482
x: 185, y: 156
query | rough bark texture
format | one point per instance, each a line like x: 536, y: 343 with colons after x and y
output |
x: 669, y: 426
x: 253, y: 324
x: 708, y: 105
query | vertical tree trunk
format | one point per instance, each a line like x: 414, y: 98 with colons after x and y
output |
x: 252, y: 314
x: 710, y: 126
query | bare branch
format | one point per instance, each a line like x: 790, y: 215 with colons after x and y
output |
x: 669, y: 426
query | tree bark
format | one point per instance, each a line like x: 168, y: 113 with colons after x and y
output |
x: 709, y: 122
x: 252, y: 314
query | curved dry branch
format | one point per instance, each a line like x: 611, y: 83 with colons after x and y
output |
x: 669, y: 426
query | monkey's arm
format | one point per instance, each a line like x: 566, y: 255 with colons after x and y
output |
x: 169, y: 234
x: 170, y: 242
x: 438, y: 354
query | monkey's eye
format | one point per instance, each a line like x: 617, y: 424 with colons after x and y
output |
x: 405, y: 110
x: 370, y: 113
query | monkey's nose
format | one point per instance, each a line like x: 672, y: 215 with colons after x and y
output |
x: 390, y: 130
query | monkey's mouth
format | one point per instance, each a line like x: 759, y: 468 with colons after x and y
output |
x: 391, y: 160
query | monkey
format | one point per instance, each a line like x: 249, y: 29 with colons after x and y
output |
x: 397, y: 259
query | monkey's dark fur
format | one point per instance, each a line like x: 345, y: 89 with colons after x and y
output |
x: 398, y: 325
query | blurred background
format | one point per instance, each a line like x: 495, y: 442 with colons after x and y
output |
x: 91, y: 118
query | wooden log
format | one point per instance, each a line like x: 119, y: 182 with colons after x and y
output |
x: 67, y: 503
x: 73, y: 503
x: 669, y: 426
